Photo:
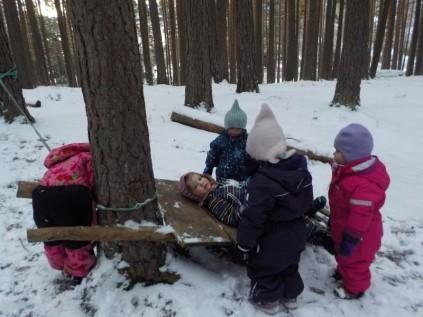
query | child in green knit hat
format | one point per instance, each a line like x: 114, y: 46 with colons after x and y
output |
x: 227, y: 152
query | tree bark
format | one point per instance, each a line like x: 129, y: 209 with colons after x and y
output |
x: 45, y: 43
x: 402, y: 34
x: 19, y: 47
x: 172, y: 22
x: 158, y: 44
x: 142, y: 10
x: 387, y: 50
x: 291, y: 70
x: 246, y: 70
x: 37, y: 42
x: 212, y: 41
x: 311, y: 44
x: 380, y: 32
x: 112, y: 75
x: 271, y: 46
x: 198, y: 89
x: 279, y: 48
x: 413, y: 44
x: 7, y: 107
x: 398, y: 29
x: 167, y: 41
x: 232, y: 42
x: 339, y: 33
x: 180, y: 8
x: 326, y: 67
x: 354, y: 49
x: 65, y: 44
x: 419, y: 50
x: 258, y: 37
x: 221, y: 41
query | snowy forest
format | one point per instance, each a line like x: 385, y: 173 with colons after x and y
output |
x: 143, y: 89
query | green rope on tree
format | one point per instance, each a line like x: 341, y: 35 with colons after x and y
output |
x: 137, y: 206
x: 10, y: 73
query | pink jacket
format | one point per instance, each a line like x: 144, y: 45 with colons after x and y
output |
x: 69, y: 164
x: 356, y: 194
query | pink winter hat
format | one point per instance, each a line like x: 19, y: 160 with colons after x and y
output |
x: 266, y: 141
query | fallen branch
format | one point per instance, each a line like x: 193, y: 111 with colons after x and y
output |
x: 98, y: 233
x: 211, y: 127
x: 37, y: 104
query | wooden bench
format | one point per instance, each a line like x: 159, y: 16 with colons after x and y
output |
x: 186, y: 223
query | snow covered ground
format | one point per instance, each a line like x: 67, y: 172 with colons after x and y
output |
x: 211, y: 285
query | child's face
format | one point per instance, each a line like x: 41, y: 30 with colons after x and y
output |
x: 234, y: 132
x: 199, y: 185
x: 338, y: 157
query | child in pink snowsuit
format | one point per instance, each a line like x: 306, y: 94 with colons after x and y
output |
x: 65, y: 198
x: 356, y: 194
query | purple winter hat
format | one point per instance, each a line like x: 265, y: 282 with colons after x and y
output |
x: 354, y: 142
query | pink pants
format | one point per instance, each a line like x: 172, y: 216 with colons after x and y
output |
x: 76, y: 262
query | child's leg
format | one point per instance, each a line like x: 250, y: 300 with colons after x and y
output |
x: 79, y: 261
x: 55, y: 254
x: 293, y: 282
x: 356, y: 275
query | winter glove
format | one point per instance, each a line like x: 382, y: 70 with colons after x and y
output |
x: 349, y: 243
x: 245, y: 252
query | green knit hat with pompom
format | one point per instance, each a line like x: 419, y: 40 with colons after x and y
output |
x: 235, y: 117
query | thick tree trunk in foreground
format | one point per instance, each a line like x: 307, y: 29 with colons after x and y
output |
x: 347, y: 92
x: 117, y: 125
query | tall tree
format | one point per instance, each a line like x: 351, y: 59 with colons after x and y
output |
x: 271, y: 44
x: 44, y: 37
x: 123, y: 171
x: 291, y: 69
x: 387, y: 50
x: 65, y: 44
x: 212, y: 40
x: 398, y: 30
x: 246, y: 70
x: 258, y: 36
x: 413, y: 44
x: 380, y: 33
x: 158, y: 44
x: 37, y: 42
x: 339, y: 32
x: 180, y: 10
x: 198, y: 89
x: 419, y: 51
x: 19, y: 50
x: 167, y: 40
x: 172, y: 22
x: 326, y: 67
x: 145, y: 40
x: 311, y: 44
x: 280, y: 39
x: 221, y: 41
x: 8, y: 108
x: 232, y: 41
x: 355, y: 46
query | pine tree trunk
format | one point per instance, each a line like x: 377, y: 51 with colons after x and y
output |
x: 123, y: 172
x: 180, y: 10
x: 398, y: 26
x: 20, y: 49
x: 279, y: 49
x: 380, y: 33
x: 419, y: 50
x: 402, y: 34
x: 408, y: 35
x: 371, y: 26
x: 246, y: 70
x: 326, y: 67
x: 198, y: 89
x: 142, y: 10
x: 212, y: 41
x: 7, y: 107
x: 172, y: 22
x: 387, y: 50
x: 45, y: 43
x: 271, y: 46
x: 413, y: 44
x: 310, y: 50
x: 232, y: 42
x: 167, y: 41
x: 221, y: 41
x: 37, y: 42
x: 292, y: 43
x: 337, y: 55
x: 65, y: 44
x: 258, y: 37
x: 158, y: 45
x: 355, y: 46
x: 304, y: 40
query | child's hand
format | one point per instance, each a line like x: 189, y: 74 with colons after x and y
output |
x: 349, y: 243
x: 245, y: 252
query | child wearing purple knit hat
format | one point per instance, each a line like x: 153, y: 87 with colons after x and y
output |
x: 356, y: 195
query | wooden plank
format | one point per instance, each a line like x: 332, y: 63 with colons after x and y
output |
x: 192, y: 224
x: 100, y: 233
